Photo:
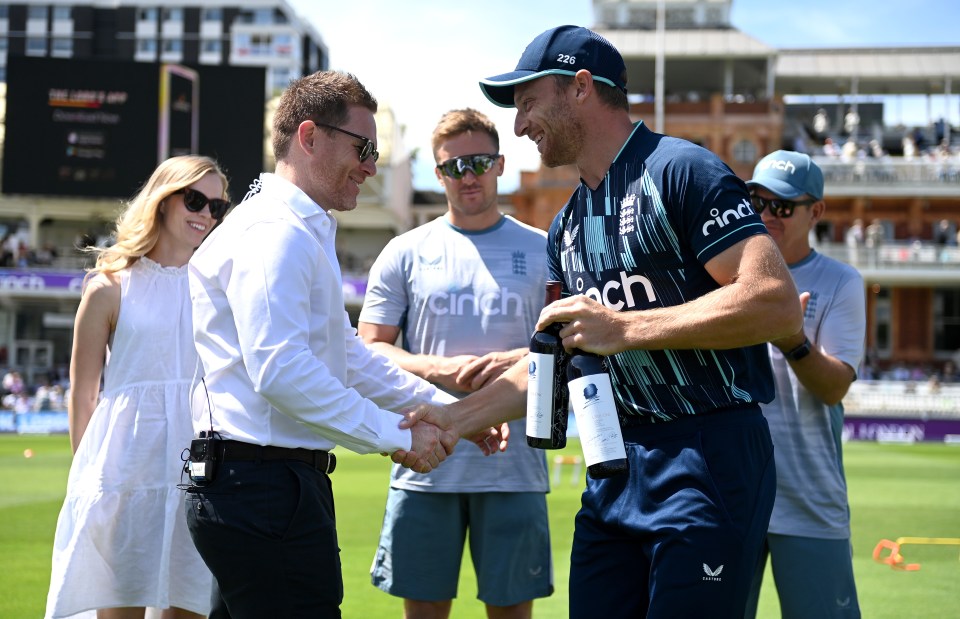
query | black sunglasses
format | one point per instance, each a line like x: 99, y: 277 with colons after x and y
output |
x: 458, y: 166
x: 195, y: 201
x: 366, y: 149
x: 781, y: 209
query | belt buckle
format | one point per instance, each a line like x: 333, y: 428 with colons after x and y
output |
x: 331, y: 463
x: 321, y: 457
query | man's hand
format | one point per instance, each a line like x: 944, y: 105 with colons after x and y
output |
x: 482, y: 370
x: 489, y: 441
x: 428, y: 448
x: 590, y: 326
x: 446, y: 371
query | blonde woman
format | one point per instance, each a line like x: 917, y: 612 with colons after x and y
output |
x: 121, y: 543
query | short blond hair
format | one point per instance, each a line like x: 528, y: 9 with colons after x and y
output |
x: 457, y: 122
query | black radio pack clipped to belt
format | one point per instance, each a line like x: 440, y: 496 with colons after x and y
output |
x: 203, y: 460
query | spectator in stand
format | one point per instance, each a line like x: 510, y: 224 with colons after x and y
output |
x: 808, y: 538
x: 853, y: 239
x: 944, y: 235
x: 6, y: 254
x: 13, y: 383
x: 919, y: 139
x: 909, y: 148
x: 851, y: 121
x: 949, y: 373
x: 42, y: 400
x: 11, y: 249
x: 820, y: 122
x: 830, y: 148
x: 23, y: 256
x: 56, y: 397
x: 873, y: 239
x: 45, y: 255
x: 849, y: 151
x: 899, y: 372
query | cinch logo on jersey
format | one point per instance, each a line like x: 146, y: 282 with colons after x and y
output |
x: 613, y: 299
x: 499, y: 303
x: 722, y: 219
x: 776, y: 164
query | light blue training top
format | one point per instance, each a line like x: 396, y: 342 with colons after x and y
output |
x: 456, y: 292
x: 811, y: 487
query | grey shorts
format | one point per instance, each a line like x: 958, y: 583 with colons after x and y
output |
x: 814, y: 577
x: 421, y: 545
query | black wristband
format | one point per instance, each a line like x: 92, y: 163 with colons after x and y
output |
x: 798, y: 353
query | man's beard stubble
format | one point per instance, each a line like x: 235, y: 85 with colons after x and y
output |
x: 566, y: 136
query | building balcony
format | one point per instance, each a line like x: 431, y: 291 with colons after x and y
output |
x: 706, y: 105
x: 904, y: 263
x: 915, y: 399
x: 891, y: 176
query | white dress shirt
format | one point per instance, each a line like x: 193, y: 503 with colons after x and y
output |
x: 283, y: 366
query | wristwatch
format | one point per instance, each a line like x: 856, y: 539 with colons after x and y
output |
x: 799, y: 352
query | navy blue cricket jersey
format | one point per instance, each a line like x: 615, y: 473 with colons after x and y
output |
x: 639, y: 241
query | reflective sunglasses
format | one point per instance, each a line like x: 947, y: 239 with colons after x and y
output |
x: 781, y: 209
x: 195, y: 201
x: 366, y: 149
x: 456, y: 167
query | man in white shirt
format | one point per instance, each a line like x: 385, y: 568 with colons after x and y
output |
x: 286, y: 377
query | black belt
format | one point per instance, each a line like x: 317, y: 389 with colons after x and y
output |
x: 237, y: 451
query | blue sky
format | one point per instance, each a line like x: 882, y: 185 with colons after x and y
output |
x: 424, y: 57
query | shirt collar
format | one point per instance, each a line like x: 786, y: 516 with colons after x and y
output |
x: 299, y: 202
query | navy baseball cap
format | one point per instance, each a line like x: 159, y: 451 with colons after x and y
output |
x: 789, y: 175
x: 560, y: 51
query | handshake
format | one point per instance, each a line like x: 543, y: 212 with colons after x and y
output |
x: 434, y: 436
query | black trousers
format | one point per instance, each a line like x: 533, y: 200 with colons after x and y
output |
x: 267, y: 531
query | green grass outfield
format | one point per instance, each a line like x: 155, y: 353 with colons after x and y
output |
x: 895, y: 491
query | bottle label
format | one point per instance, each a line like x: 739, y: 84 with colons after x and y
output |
x: 596, y: 413
x: 539, y: 394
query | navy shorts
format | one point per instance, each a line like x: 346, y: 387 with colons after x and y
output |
x: 421, y: 545
x: 680, y: 536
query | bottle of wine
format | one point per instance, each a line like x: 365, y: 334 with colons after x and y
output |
x: 547, y: 401
x: 591, y: 394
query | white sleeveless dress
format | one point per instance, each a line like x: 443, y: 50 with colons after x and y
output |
x: 122, y: 538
